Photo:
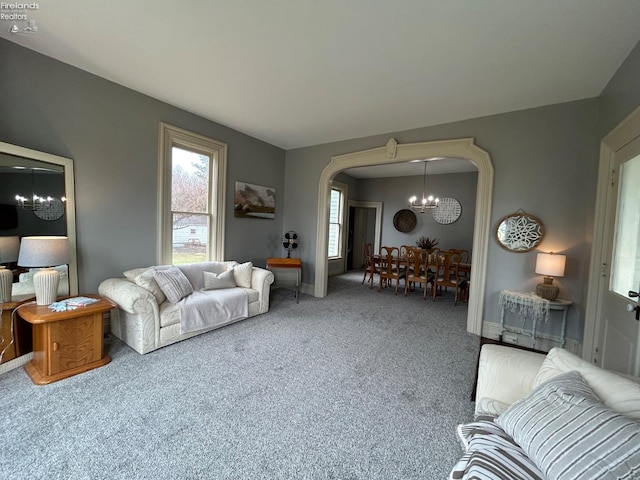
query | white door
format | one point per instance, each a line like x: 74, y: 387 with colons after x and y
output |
x: 617, y: 335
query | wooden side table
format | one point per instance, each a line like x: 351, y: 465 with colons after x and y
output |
x: 15, y: 334
x: 282, y: 267
x: 66, y: 343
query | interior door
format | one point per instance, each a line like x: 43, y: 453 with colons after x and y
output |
x: 618, y: 337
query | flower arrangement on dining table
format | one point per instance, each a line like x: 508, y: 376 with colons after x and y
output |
x: 427, y: 243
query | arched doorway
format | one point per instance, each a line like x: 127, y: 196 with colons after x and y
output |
x: 393, y: 152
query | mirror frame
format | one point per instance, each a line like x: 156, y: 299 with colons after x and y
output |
x: 517, y: 219
x: 69, y: 188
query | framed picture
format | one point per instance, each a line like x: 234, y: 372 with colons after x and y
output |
x: 254, y: 201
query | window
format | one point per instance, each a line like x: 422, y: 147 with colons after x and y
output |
x: 192, y: 173
x: 336, y: 219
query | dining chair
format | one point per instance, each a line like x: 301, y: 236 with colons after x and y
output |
x: 447, y: 274
x: 464, y: 258
x: 370, y: 264
x: 417, y: 271
x: 390, y: 267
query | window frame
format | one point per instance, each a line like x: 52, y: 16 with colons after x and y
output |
x: 171, y: 136
x: 343, y: 190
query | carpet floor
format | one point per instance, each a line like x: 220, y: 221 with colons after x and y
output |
x: 359, y: 385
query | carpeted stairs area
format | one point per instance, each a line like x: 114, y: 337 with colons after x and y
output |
x: 358, y: 385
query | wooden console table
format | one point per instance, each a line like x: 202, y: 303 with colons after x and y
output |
x: 281, y: 267
x: 66, y: 343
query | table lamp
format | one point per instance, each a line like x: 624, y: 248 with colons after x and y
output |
x: 9, y: 247
x: 550, y: 265
x: 45, y: 253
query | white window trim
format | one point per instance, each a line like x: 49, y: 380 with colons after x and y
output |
x: 169, y: 137
x: 344, y: 190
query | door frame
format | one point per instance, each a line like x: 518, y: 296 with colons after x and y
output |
x: 378, y: 227
x: 613, y: 142
x: 393, y: 152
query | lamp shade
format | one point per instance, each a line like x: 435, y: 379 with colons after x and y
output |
x: 550, y: 264
x: 43, y: 251
x: 9, y: 248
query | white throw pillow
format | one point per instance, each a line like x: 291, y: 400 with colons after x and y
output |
x: 173, y: 283
x: 571, y: 435
x: 242, y: 274
x: 213, y: 281
x: 146, y: 281
x: 615, y: 391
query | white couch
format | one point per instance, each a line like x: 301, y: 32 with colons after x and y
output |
x: 538, y: 416
x: 145, y: 320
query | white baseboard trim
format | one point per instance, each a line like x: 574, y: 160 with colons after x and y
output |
x: 544, y: 342
x: 16, y: 363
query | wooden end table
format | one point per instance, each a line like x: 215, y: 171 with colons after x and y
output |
x: 280, y: 267
x: 66, y: 343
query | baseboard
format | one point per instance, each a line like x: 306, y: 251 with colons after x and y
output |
x: 16, y: 363
x: 544, y: 342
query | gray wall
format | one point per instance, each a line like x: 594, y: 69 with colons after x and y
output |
x: 111, y: 133
x: 545, y: 163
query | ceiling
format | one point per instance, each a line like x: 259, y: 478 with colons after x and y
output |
x: 296, y: 73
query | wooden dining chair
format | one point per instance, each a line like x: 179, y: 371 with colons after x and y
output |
x: 370, y: 264
x: 416, y: 271
x: 391, y: 268
x: 464, y: 258
x: 447, y: 274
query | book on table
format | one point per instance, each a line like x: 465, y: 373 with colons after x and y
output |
x: 80, y: 301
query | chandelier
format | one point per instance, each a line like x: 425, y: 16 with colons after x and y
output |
x: 37, y: 201
x: 427, y: 203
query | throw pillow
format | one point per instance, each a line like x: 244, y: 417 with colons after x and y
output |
x: 217, y: 282
x: 242, y: 274
x: 146, y: 281
x: 615, y: 391
x: 570, y: 434
x: 491, y: 453
x: 173, y: 283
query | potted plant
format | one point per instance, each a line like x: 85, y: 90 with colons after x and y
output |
x: 427, y: 243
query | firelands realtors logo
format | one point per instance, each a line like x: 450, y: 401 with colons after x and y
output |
x: 17, y: 15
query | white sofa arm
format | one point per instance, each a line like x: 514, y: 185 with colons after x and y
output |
x: 261, y: 280
x: 130, y: 297
x: 505, y: 374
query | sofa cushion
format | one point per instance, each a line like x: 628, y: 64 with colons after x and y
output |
x: 242, y: 274
x: 491, y: 453
x: 213, y: 281
x: 173, y: 283
x: 616, y: 392
x: 565, y: 429
x: 145, y: 280
x: 194, y: 271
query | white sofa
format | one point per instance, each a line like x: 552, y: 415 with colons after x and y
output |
x: 543, y: 416
x: 146, y: 320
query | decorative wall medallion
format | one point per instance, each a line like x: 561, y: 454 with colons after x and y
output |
x: 519, y: 232
x: 404, y: 220
x: 448, y: 211
x: 50, y: 210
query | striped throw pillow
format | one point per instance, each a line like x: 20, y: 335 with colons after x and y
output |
x: 173, y: 283
x: 565, y: 429
x: 492, y: 455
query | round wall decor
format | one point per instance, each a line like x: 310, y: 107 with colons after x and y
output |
x: 50, y: 210
x: 404, y: 220
x: 448, y: 211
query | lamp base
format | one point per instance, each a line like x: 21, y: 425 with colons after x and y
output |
x: 547, y: 290
x: 45, y: 282
x: 6, y: 282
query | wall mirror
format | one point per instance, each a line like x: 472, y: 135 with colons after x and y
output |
x: 26, y: 172
x: 519, y: 232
